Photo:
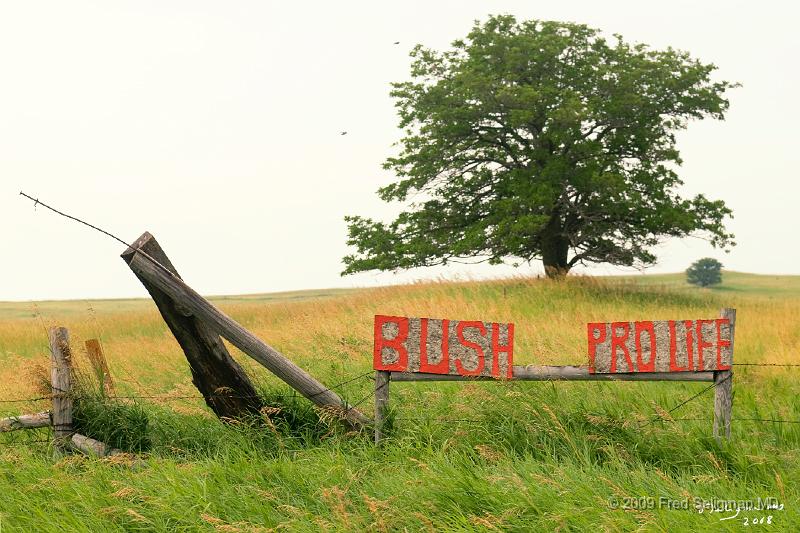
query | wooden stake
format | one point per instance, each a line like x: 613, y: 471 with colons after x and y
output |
x: 92, y: 447
x: 381, y: 401
x: 94, y: 350
x: 723, y: 391
x: 39, y: 420
x: 191, y: 302
x: 61, y: 381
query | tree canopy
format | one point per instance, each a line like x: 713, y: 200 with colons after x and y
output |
x: 542, y: 140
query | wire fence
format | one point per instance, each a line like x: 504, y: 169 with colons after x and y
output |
x: 168, y: 397
x: 765, y: 364
x: 661, y: 417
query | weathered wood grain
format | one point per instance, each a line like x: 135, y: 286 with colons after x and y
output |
x: 555, y: 373
x: 223, y: 325
x: 225, y: 386
x: 92, y: 447
x: 660, y: 346
x: 61, y: 381
x: 12, y: 423
x: 381, y: 401
x: 443, y: 346
x: 723, y: 391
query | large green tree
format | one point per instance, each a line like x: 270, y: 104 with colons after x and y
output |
x: 542, y: 140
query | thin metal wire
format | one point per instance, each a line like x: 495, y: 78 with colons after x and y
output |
x: 693, y: 397
x: 53, y: 209
x: 764, y: 364
x: 23, y: 400
x: 25, y: 442
x: 104, y: 232
x: 767, y: 420
x: 168, y: 397
x: 365, y: 398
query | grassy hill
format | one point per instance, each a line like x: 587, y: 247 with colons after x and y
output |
x: 516, y: 456
x: 766, y: 285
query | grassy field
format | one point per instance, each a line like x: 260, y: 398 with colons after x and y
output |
x: 461, y: 456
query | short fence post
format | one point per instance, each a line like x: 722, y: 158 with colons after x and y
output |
x: 723, y: 389
x: 61, y: 381
x: 382, y: 379
x: 94, y: 350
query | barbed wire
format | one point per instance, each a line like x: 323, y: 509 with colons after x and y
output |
x: 659, y: 418
x: 24, y: 400
x: 776, y: 420
x: 367, y: 397
x: 687, y: 400
x: 168, y: 397
x: 138, y: 249
x: 765, y: 364
x: 766, y: 420
x: 26, y: 443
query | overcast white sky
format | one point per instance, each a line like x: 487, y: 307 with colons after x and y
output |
x: 216, y: 126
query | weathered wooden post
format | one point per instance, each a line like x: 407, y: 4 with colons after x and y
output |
x: 382, y: 379
x: 226, y: 388
x: 160, y: 279
x: 723, y: 390
x: 94, y: 351
x: 92, y: 447
x: 61, y: 381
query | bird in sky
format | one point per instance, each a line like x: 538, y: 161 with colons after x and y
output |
x: 344, y: 133
x: 397, y: 42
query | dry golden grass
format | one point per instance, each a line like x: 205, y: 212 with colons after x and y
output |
x: 334, y: 333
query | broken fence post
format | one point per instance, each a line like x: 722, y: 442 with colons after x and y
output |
x: 61, y: 381
x: 90, y: 446
x: 225, y: 386
x: 189, y: 301
x: 12, y: 423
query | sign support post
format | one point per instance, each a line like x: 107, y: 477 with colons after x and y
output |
x: 723, y: 388
x: 382, y: 379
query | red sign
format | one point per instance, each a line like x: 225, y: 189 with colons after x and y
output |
x: 660, y: 346
x: 442, y: 346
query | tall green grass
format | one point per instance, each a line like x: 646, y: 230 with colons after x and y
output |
x: 476, y: 456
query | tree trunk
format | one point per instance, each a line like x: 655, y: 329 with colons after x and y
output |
x: 555, y: 249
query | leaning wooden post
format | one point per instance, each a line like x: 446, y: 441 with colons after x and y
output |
x: 190, y: 302
x: 223, y: 383
x: 382, y: 379
x: 61, y: 381
x: 723, y: 390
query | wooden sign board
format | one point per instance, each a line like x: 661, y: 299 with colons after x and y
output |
x: 660, y: 346
x: 442, y: 346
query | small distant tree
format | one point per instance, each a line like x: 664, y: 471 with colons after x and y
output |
x: 704, y: 272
